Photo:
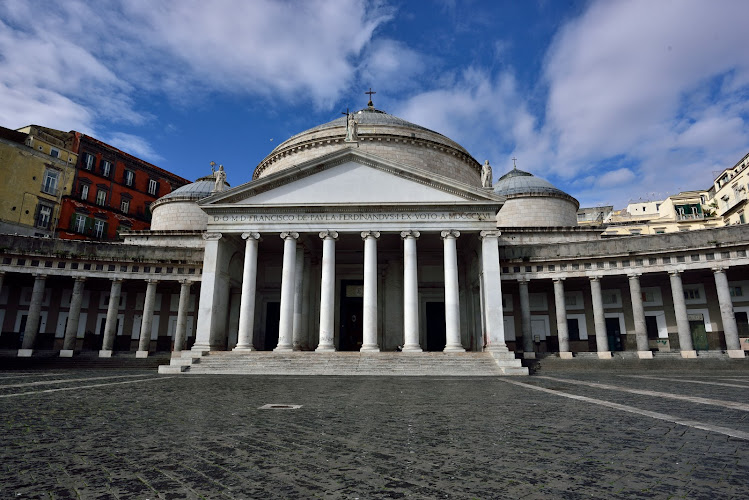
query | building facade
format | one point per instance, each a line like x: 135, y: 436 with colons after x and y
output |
x: 371, y: 234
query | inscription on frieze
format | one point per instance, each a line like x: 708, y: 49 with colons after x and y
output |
x: 345, y: 217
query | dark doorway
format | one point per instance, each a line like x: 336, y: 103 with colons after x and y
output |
x: 272, y: 318
x: 352, y: 305
x: 436, y: 335
x: 573, y: 329
x: 651, y: 325
x: 699, y: 334
x: 614, y: 333
x: 742, y: 323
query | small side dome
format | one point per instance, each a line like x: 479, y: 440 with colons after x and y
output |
x: 179, y: 210
x: 533, y: 202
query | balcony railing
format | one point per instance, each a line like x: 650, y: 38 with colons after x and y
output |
x: 690, y: 216
x: 739, y: 198
x: 47, y: 189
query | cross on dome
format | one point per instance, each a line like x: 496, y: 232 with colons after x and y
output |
x: 370, y: 103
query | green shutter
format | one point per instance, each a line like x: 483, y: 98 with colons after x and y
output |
x: 89, y: 225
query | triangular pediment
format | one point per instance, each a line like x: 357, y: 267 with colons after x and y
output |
x: 351, y: 177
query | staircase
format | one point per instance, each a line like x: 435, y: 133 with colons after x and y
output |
x: 423, y: 364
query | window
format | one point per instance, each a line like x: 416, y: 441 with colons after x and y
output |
x: 79, y: 223
x: 736, y: 291
x: 125, y: 205
x: 54, y: 153
x: 99, y: 226
x: 147, y: 211
x: 88, y: 161
x: 692, y: 293
x: 43, y: 216
x: 129, y: 177
x: 153, y: 187
x: 84, y: 192
x: 49, y: 185
x: 101, y: 197
x: 106, y: 168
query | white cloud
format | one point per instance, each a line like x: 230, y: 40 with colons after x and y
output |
x: 134, y: 145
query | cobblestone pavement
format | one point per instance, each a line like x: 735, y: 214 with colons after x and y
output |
x: 131, y: 434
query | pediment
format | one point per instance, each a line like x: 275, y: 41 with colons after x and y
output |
x: 351, y: 177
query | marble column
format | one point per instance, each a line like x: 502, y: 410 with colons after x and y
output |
x: 249, y: 287
x: 213, y: 303
x: 298, y: 327
x: 369, y: 313
x: 327, y: 292
x: 492, y: 292
x: 110, y: 326
x: 682, y: 321
x: 525, y: 320
x: 180, y: 332
x: 452, y: 291
x: 74, y: 316
x: 410, y: 292
x: 146, y: 324
x: 288, y: 280
x: 730, y: 329
x: 563, y: 333
x: 34, y: 317
x: 638, y: 313
x: 599, y: 320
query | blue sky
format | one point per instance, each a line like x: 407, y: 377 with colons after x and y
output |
x: 609, y: 100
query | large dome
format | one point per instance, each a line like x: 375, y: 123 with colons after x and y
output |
x: 381, y: 134
x: 179, y: 210
x: 533, y: 202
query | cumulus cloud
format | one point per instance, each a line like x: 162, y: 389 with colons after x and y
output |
x: 134, y: 145
x: 78, y: 64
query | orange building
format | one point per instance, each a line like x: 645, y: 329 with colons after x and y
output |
x: 112, y: 192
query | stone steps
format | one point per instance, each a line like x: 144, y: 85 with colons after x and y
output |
x: 474, y: 364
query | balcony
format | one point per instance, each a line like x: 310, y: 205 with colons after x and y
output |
x: 681, y: 217
x: 739, y: 199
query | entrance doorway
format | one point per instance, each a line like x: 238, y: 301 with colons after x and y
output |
x: 351, y: 336
x: 614, y: 333
x: 742, y: 323
x: 272, y: 319
x: 436, y: 335
x: 699, y: 334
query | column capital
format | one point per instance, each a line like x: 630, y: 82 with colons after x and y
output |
x: 595, y: 278
x: 719, y: 269
x: 524, y: 280
x: 80, y: 278
x: 212, y: 236
x: 558, y: 279
x: 450, y: 233
x: 634, y: 275
x: 39, y: 276
x: 251, y: 234
x: 154, y: 281
x: 489, y: 234
x: 410, y: 234
x: 328, y: 235
x: 370, y: 234
x: 117, y: 280
x: 186, y: 282
x: 289, y: 234
x: 675, y: 272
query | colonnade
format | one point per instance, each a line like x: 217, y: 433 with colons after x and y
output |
x: 291, y: 286
x: 730, y: 328
x: 110, y: 326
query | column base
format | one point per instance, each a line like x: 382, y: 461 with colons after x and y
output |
x: 325, y: 348
x: 645, y: 354
x: 454, y: 348
x: 105, y: 353
x: 498, y: 348
x: 25, y: 353
x: 604, y: 355
x: 529, y: 355
x: 66, y: 353
x: 370, y: 348
x: 688, y: 354
x: 195, y: 352
x: 283, y: 348
x: 243, y: 348
x: 141, y: 354
x: 735, y: 353
x: 565, y: 355
x: 412, y: 348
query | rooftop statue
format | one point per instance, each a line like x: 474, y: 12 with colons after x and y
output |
x: 220, y: 176
x: 486, y: 175
x: 351, y: 128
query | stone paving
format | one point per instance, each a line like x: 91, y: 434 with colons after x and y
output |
x: 135, y: 434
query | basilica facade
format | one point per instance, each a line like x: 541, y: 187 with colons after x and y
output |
x: 374, y: 235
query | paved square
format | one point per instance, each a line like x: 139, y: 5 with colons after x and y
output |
x: 133, y: 434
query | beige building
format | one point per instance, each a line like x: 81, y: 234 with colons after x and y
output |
x: 37, y: 167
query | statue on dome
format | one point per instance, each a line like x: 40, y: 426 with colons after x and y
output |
x: 486, y: 175
x: 220, y: 176
x: 351, y: 128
